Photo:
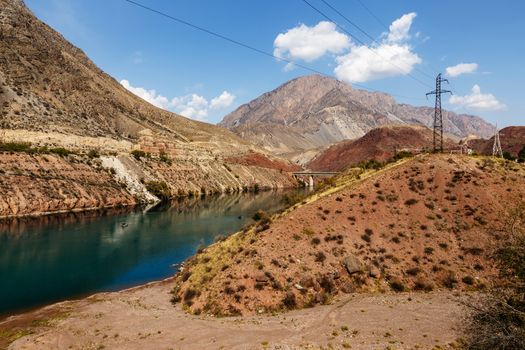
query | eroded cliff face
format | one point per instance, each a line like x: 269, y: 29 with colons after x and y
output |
x: 40, y: 184
x: 36, y: 184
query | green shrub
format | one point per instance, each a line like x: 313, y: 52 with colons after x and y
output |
x: 163, y: 157
x: 289, y: 199
x: 521, y: 155
x: 260, y: 215
x: 403, y: 154
x: 411, y: 201
x: 508, y: 156
x: 289, y: 301
x: 370, y: 164
x: 137, y: 154
x: 159, y: 189
x: 93, y: 154
x: 16, y: 147
x: 397, y: 285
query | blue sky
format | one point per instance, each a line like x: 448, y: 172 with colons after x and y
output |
x: 204, y: 77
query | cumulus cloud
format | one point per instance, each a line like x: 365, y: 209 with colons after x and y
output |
x: 364, y: 63
x: 477, y: 100
x: 150, y: 96
x: 224, y: 100
x: 392, y: 56
x: 310, y: 43
x: 192, y: 105
x: 400, y: 28
x: 462, y: 68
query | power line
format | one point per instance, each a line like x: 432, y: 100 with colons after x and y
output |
x: 362, y: 43
x: 349, y: 21
x: 387, y: 29
x: 366, y: 34
x: 247, y: 46
x: 373, y: 15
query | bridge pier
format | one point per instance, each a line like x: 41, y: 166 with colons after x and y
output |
x: 307, y: 177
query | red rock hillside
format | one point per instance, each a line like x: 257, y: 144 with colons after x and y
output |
x: 512, y: 140
x: 379, y: 144
x: 260, y: 160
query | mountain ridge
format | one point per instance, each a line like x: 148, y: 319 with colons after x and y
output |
x: 313, y: 112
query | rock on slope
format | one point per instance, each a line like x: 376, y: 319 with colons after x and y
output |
x: 512, y: 140
x: 314, y: 111
x: 421, y: 224
x: 379, y: 144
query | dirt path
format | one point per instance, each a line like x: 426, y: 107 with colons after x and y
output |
x: 144, y: 318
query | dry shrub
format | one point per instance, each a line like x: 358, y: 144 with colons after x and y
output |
x: 497, y: 322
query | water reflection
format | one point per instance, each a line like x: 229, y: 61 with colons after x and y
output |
x: 63, y: 256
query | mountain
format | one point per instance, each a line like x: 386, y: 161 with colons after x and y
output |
x: 49, y: 85
x: 72, y: 138
x: 422, y: 224
x: 512, y: 140
x: 378, y: 144
x: 313, y: 112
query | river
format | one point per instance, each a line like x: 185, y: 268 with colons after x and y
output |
x: 59, y: 257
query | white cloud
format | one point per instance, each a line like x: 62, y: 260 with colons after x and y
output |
x: 150, y: 96
x: 400, y: 28
x: 192, y: 105
x: 364, y: 63
x: 310, y: 43
x: 391, y: 57
x: 477, y: 100
x: 462, y: 68
x: 223, y: 101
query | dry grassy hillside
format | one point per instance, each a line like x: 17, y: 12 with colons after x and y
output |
x: 49, y: 85
x: 423, y: 224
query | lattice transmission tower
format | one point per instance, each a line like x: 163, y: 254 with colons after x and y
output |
x: 438, y: 116
x: 496, y: 148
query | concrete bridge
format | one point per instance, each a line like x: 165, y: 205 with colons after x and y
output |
x: 311, y: 174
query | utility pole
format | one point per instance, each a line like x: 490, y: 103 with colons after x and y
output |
x: 438, y: 116
x: 496, y: 148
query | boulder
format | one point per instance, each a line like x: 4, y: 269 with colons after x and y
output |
x: 261, y: 278
x: 374, y: 272
x: 352, y: 264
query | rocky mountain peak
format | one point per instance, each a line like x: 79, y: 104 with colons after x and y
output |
x: 315, y: 111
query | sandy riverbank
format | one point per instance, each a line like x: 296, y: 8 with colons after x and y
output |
x: 144, y: 318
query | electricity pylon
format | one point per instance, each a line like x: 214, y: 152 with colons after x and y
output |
x: 496, y: 148
x: 438, y: 116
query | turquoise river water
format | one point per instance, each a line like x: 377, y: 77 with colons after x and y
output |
x: 66, y: 256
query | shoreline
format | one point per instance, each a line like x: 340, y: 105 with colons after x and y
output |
x: 5, y: 218
x: 143, y: 317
